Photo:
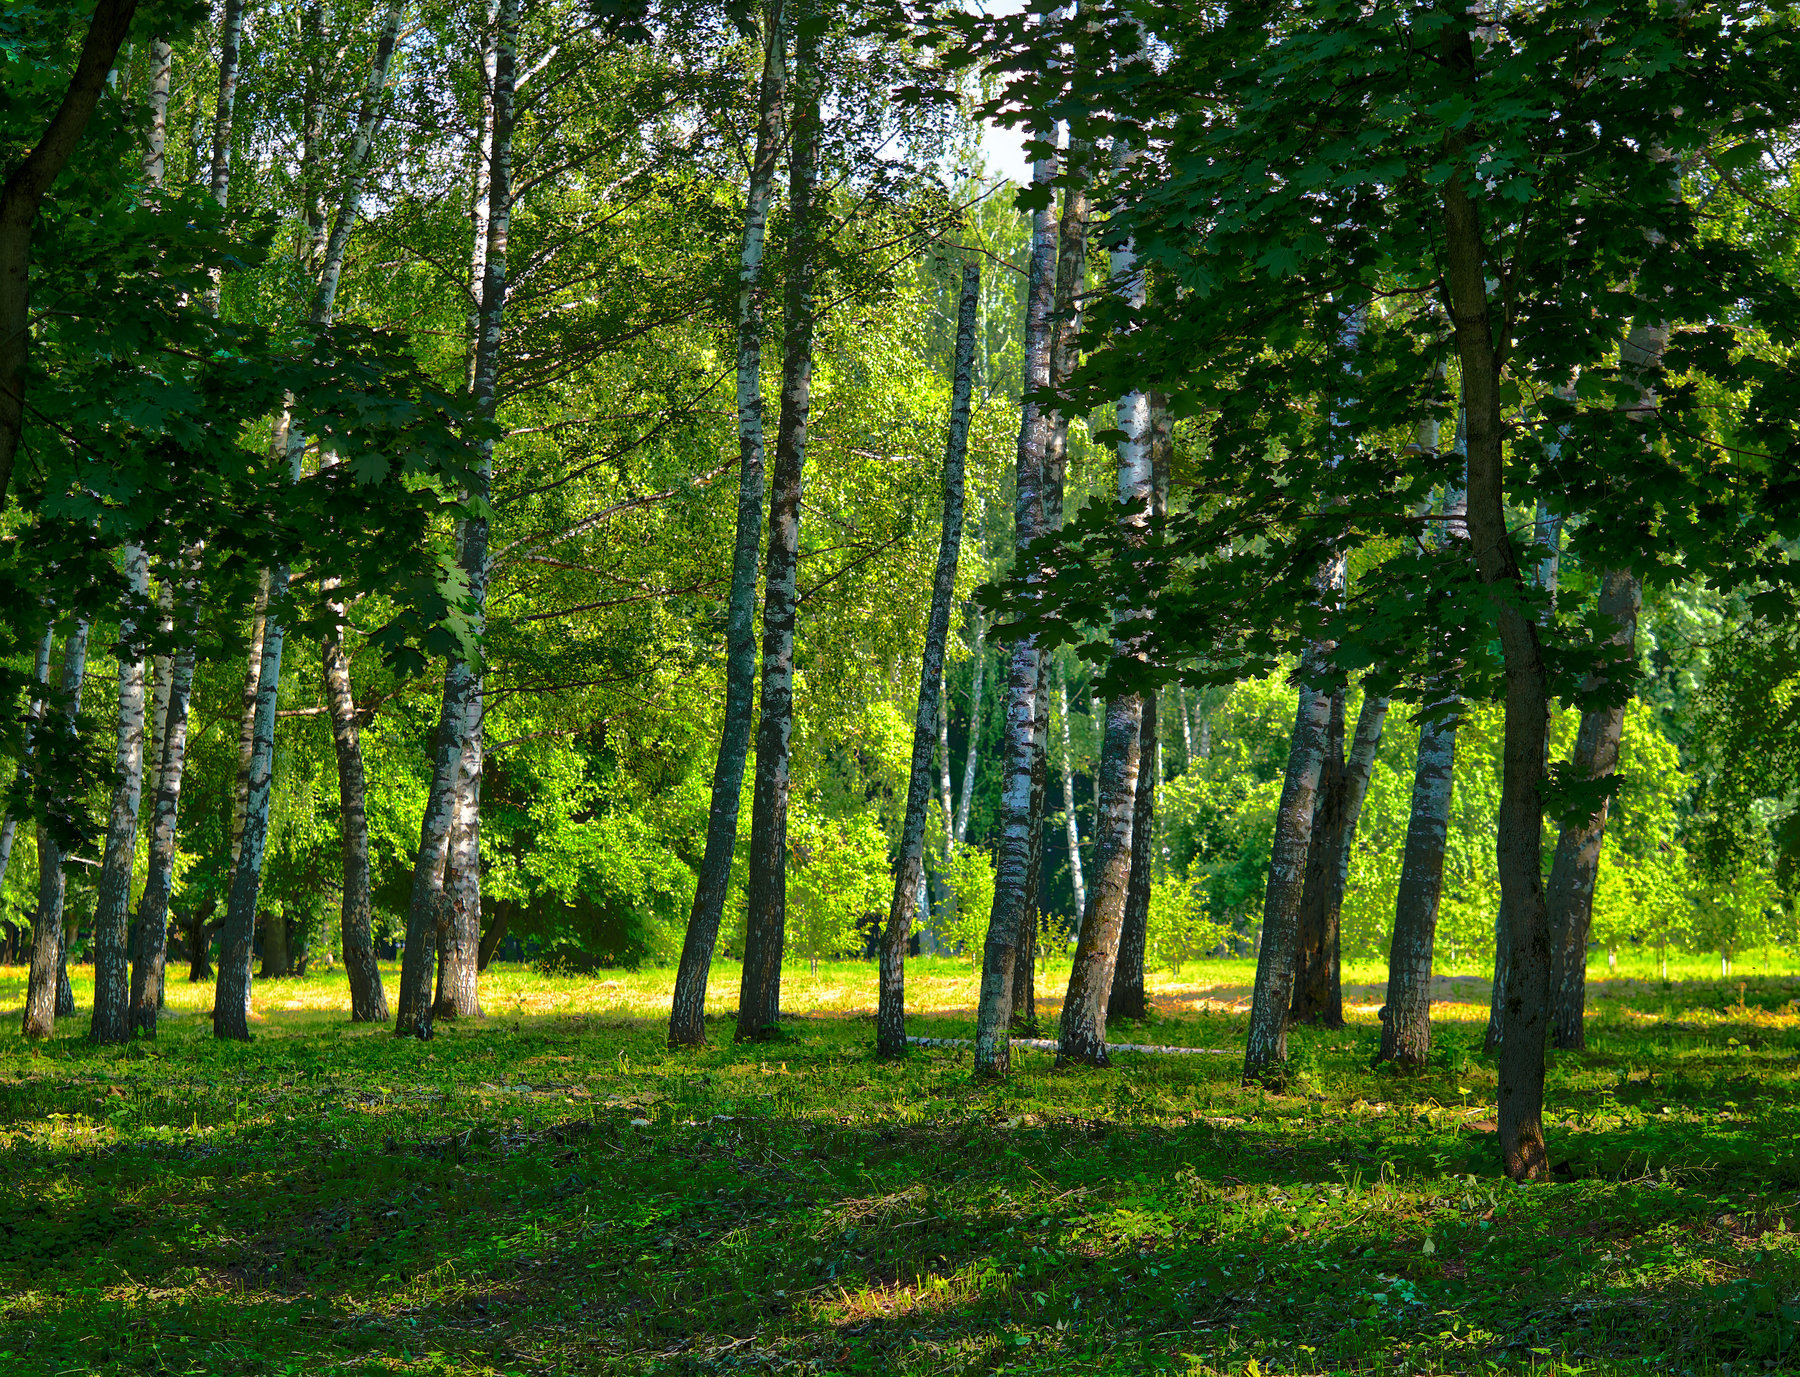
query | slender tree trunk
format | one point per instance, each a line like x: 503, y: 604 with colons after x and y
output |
x: 1520, y: 840
x: 687, y: 1014
x: 1187, y: 729
x: 493, y: 936
x: 111, y: 1021
x: 459, y: 951
x: 368, y: 1000
x: 1128, y: 998
x: 42, y: 1002
x: 1316, y: 929
x: 231, y: 995
x: 153, y: 909
x: 945, y: 799
x: 759, y: 995
x: 1070, y: 823
x: 1020, y: 745
x: 240, y: 797
x: 24, y: 191
x: 972, y: 754
x: 1082, y: 1036
x: 1266, y: 1045
x: 200, y: 931
x: 276, y: 961
x: 460, y: 715
x: 65, y: 993
x: 909, y: 877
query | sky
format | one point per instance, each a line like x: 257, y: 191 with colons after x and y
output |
x: 1004, y: 150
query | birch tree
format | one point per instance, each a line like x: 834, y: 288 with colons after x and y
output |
x: 42, y: 1002
x: 759, y: 995
x: 459, y: 719
x: 1019, y: 749
x: 687, y: 1013
x: 909, y: 876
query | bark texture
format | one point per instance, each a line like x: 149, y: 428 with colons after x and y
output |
x: 1520, y: 841
x: 1127, y: 998
x: 909, y: 876
x: 687, y: 1013
x: 1316, y: 996
x: 460, y: 714
x: 1071, y: 825
x: 459, y: 942
x: 1020, y: 744
x: 165, y: 804
x: 111, y: 1020
x: 765, y: 921
x: 42, y: 990
x: 971, y: 756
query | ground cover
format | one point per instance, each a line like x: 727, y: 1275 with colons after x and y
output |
x: 550, y: 1190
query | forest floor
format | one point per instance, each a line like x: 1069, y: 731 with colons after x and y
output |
x: 549, y: 1190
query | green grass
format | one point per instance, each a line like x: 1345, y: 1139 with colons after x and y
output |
x: 551, y: 1191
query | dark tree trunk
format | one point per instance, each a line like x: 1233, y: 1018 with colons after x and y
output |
x: 687, y: 1013
x: 1527, y: 696
x: 494, y: 936
x: 765, y: 919
x: 1317, y: 998
x: 1128, y: 999
x: 909, y: 876
x: 1020, y: 747
x: 199, y: 932
x: 368, y: 1000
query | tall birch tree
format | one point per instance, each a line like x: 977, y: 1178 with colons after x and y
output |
x: 687, y: 1012
x: 909, y: 875
x: 48, y: 959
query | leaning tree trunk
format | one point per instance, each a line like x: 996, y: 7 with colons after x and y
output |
x: 111, y: 1020
x: 1127, y: 998
x: 1344, y: 784
x: 1019, y: 742
x: 909, y: 877
x: 687, y: 1012
x: 153, y: 908
x: 460, y: 714
x: 1520, y: 841
x: 1278, y: 970
x: 41, y: 992
x: 765, y: 919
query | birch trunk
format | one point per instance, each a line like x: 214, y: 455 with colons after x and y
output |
x: 460, y: 715
x: 890, y: 1017
x: 1576, y: 864
x: 368, y: 1000
x: 1316, y: 928
x: 1187, y: 729
x: 1070, y: 823
x: 231, y: 30
x: 1266, y: 1044
x: 971, y: 756
x: 945, y: 803
x: 240, y: 794
x: 759, y: 994
x: 111, y: 1020
x: 1520, y: 841
x: 231, y: 995
x: 1020, y: 744
x: 459, y: 945
x: 153, y: 908
x: 1082, y: 1037
x: 42, y: 1001
x: 687, y: 1014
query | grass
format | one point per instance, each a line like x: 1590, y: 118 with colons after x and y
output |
x: 549, y: 1190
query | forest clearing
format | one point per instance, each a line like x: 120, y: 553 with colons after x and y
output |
x: 822, y: 686
x: 551, y: 1190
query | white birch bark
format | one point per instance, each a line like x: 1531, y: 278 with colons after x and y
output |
x: 1071, y: 824
x: 971, y: 756
x: 460, y: 715
x: 687, y: 1011
x: 1024, y: 680
x: 111, y: 1021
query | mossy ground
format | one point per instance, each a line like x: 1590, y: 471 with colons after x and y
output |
x: 551, y: 1191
